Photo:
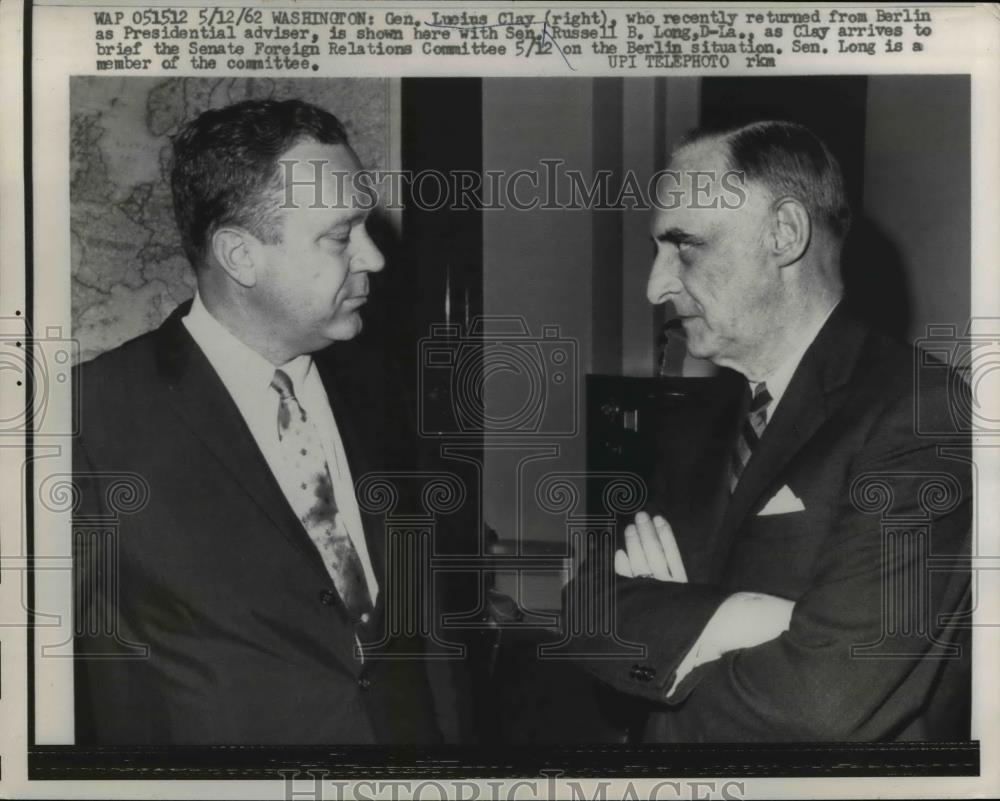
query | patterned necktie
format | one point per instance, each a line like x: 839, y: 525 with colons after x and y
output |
x: 749, y: 436
x: 313, y: 499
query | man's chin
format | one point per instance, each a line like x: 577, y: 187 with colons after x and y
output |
x: 346, y: 327
x: 697, y: 347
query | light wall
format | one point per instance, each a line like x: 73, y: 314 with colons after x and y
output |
x: 537, y: 266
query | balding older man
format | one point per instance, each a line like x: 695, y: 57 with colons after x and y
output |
x: 810, y: 612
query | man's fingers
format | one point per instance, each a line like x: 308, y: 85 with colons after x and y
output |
x: 672, y: 554
x: 652, y: 548
x: 622, y: 565
x: 636, y: 556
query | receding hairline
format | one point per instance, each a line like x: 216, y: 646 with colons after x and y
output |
x: 806, y: 169
x: 709, y: 143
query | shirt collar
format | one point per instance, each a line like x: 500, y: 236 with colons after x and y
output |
x: 242, y: 369
x: 779, y: 379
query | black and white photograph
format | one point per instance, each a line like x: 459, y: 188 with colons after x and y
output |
x: 573, y: 427
x: 226, y: 628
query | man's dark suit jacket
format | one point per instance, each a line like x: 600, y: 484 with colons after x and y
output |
x: 214, y: 575
x: 867, y: 656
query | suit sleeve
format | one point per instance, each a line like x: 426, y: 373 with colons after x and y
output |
x: 642, y: 656
x: 863, y: 630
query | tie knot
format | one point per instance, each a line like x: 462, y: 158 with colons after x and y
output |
x: 760, y: 400
x: 282, y: 384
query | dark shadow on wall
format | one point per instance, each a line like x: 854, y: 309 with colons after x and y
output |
x: 876, y: 282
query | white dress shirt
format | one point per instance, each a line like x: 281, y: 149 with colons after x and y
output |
x: 247, y: 376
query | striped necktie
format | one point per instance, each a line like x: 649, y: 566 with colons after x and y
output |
x: 312, y: 498
x: 750, y: 432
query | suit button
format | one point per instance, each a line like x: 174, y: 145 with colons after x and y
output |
x: 328, y: 597
x: 364, y: 682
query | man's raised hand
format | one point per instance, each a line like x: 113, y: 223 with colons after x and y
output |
x: 650, y: 551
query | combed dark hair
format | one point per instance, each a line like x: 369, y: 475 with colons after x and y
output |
x: 225, y: 167
x: 790, y: 160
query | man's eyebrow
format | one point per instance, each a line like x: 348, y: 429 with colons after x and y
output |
x: 677, y: 236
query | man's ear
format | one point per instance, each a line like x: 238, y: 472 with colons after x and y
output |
x: 791, y: 231
x: 237, y: 250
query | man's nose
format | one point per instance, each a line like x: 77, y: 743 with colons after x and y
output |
x: 368, y: 258
x: 664, y: 279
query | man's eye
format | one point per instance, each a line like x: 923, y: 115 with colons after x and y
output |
x: 686, y: 253
x: 340, y: 239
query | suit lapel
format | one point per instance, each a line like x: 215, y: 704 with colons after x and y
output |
x: 813, y: 395
x: 201, y: 400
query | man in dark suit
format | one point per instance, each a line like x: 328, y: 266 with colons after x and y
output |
x: 238, y: 594
x: 800, y: 602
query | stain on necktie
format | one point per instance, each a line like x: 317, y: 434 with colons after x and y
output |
x: 325, y: 507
